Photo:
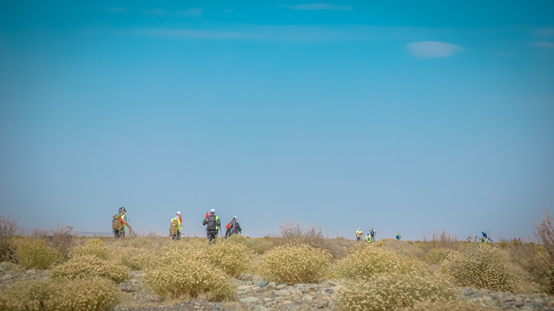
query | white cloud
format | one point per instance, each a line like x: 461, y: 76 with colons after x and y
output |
x: 319, y: 7
x: 432, y: 49
x: 548, y: 45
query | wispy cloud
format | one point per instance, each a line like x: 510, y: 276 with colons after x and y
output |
x: 318, y: 7
x: 200, y: 34
x: 547, y: 45
x: 162, y: 12
x: 432, y: 49
x: 117, y: 10
x: 545, y: 32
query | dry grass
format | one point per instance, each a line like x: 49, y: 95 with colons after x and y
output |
x: 62, y: 239
x: 8, y: 230
x: 440, y: 239
x: 438, y: 255
x: 455, y: 305
x: 95, y: 248
x: 295, y: 264
x: 389, y: 292
x: 86, y: 294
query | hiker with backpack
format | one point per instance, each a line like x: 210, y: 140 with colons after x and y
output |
x: 233, y: 227
x: 398, y: 236
x: 372, y: 233
x: 212, y: 224
x: 368, y: 238
x: 119, y: 222
x: 175, y: 227
x: 359, y: 234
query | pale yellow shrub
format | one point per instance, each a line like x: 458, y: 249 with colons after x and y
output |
x: 94, y: 247
x: 365, y: 262
x: 35, y: 254
x: 88, y: 266
x: 455, y: 305
x: 438, y: 255
x: 188, y: 279
x: 138, y: 259
x: 295, y: 264
x: 87, y: 294
x: 481, y: 267
x: 256, y: 245
x: 231, y: 257
x: 389, y: 292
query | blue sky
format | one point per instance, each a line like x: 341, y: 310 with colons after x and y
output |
x: 405, y: 117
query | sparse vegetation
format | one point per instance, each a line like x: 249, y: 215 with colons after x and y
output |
x: 61, y: 239
x: 453, y: 305
x: 89, y: 266
x: 8, y: 230
x: 438, y: 255
x: 95, y: 248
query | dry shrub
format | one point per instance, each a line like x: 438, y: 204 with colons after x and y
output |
x: 365, y: 262
x: 540, y: 262
x: 258, y: 246
x: 231, y: 257
x: 94, y: 247
x: 454, y: 305
x: 87, y: 294
x: 8, y: 230
x: 438, y: 255
x: 137, y: 259
x: 387, y: 292
x: 35, y: 254
x: 295, y: 264
x: 481, y: 266
x: 188, y: 279
x: 89, y: 266
x: 440, y: 239
x: 400, y: 248
x: 61, y: 239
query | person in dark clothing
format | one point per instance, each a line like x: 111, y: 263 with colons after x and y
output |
x: 213, y: 224
x: 233, y: 227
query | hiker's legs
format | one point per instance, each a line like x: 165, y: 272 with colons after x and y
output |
x: 212, y: 236
x: 116, y: 234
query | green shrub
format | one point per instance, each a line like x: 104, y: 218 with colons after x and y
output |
x: 454, y: 305
x: 481, y: 267
x: 388, y: 292
x: 8, y: 230
x: 295, y: 264
x: 188, y: 279
x: 86, y: 294
x: 35, y: 254
x: 61, y: 239
x: 95, y: 248
x: 365, y: 262
x: 438, y: 255
x: 88, y: 266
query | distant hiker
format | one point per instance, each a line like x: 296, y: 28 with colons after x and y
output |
x: 398, y: 237
x: 468, y: 239
x: 372, y: 232
x: 359, y: 234
x: 175, y: 226
x: 368, y: 238
x: 213, y: 223
x: 475, y: 239
x: 119, y: 222
x: 233, y: 227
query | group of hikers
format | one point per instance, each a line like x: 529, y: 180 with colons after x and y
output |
x: 371, y: 234
x: 211, y: 221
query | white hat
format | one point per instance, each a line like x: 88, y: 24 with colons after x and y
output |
x: 212, y: 211
x: 235, y: 217
x: 178, y: 212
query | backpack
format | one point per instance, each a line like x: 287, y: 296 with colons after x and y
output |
x: 116, y: 223
x: 174, y: 227
x: 212, y: 223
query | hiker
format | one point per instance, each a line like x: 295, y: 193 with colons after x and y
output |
x: 372, y: 232
x: 468, y: 239
x: 233, y: 227
x: 119, y: 223
x: 398, y: 237
x: 213, y: 223
x: 359, y: 234
x: 176, y: 226
x: 368, y: 238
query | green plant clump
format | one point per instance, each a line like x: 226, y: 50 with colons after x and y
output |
x: 35, y: 254
x: 88, y: 266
